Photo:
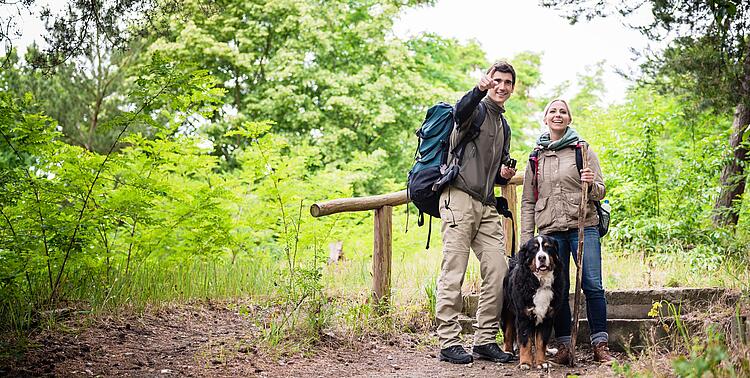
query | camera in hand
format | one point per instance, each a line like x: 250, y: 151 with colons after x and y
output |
x: 512, y: 163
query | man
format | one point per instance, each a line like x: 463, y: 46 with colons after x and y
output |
x: 470, y: 219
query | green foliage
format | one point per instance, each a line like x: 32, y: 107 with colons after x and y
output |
x: 328, y: 74
x: 434, y: 54
x: 430, y: 289
x: 708, y: 356
x: 624, y: 369
x: 157, y: 221
x: 58, y: 216
x: 661, y: 161
x: 698, y: 352
x: 705, y: 61
x: 82, y: 100
x: 522, y: 105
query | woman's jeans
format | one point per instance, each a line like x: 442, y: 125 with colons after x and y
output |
x: 596, y: 304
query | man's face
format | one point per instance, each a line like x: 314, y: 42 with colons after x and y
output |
x: 503, y: 88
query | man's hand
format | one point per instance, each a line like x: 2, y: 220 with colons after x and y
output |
x: 487, y: 82
x: 507, y: 173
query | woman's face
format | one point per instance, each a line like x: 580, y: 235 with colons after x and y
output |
x: 557, y: 117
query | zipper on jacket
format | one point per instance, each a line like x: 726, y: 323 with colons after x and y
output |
x: 488, y: 182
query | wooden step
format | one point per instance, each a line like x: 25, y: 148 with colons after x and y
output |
x: 629, y: 325
x: 636, y: 304
x: 623, y: 333
x: 634, y: 334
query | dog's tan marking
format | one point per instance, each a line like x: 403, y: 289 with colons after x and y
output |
x: 526, y: 357
x: 539, y: 349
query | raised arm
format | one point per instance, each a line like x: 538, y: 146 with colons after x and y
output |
x: 467, y: 104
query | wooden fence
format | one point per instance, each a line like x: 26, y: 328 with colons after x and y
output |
x: 382, y: 243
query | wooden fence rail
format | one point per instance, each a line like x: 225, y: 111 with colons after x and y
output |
x: 383, y: 220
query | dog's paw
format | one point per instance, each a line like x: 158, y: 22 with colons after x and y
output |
x: 543, y: 366
x: 524, y: 366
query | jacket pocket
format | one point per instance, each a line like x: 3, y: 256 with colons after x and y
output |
x: 543, y: 216
x: 572, y: 203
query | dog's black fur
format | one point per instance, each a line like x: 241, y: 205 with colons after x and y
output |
x: 524, y: 280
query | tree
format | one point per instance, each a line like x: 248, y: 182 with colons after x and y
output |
x: 709, y: 58
x: 69, y: 32
x: 81, y: 94
x: 330, y: 73
x: 9, y: 25
x: 80, y: 77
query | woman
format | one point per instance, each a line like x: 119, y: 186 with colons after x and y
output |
x: 550, y: 202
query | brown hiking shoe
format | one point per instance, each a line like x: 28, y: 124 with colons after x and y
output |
x: 601, y: 354
x: 562, y: 357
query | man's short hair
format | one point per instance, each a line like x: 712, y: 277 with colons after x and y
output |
x: 503, y: 66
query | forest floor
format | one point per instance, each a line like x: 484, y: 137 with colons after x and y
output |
x: 214, y: 339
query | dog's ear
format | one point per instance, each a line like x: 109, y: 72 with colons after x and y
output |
x: 524, y: 249
x: 523, y: 252
x: 554, y: 252
x: 531, y: 248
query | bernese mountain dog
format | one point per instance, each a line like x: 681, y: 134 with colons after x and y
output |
x: 532, y: 296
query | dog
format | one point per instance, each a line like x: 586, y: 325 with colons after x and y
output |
x: 532, y: 296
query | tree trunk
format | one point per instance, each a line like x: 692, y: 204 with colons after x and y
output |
x: 732, y: 176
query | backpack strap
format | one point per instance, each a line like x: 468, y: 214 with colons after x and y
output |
x: 579, y: 156
x: 534, y: 164
x: 501, y: 204
x: 429, y: 233
x: 506, y: 133
x: 474, y: 129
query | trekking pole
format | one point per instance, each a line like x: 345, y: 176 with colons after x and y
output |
x: 579, y: 259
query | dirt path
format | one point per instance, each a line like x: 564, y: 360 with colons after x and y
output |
x: 213, y: 340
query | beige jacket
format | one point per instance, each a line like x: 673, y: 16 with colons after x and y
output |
x: 559, y: 185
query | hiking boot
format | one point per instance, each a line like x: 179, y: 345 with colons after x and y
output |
x: 456, y: 355
x: 601, y: 354
x: 490, y: 352
x: 562, y: 357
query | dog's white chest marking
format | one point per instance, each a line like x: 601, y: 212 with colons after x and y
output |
x: 543, y: 296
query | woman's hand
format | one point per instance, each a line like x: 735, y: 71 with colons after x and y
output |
x: 587, y: 175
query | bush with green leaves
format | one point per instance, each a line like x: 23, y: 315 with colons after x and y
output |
x: 661, y: 159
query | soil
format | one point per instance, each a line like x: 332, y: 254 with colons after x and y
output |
x: 215, y: 339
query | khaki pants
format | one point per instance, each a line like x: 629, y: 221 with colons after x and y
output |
x: 469, y: 224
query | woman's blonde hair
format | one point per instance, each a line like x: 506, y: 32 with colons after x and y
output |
x: 546, y: 108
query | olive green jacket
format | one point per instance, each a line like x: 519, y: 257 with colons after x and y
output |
x: 483, y: 156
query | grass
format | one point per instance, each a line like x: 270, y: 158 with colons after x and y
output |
x: 697, y: 348
x: 413, y: 276
x: 341, y: 303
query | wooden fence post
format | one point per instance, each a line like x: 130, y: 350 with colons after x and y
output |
x: 509, y: 192
x: 381, y: 258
